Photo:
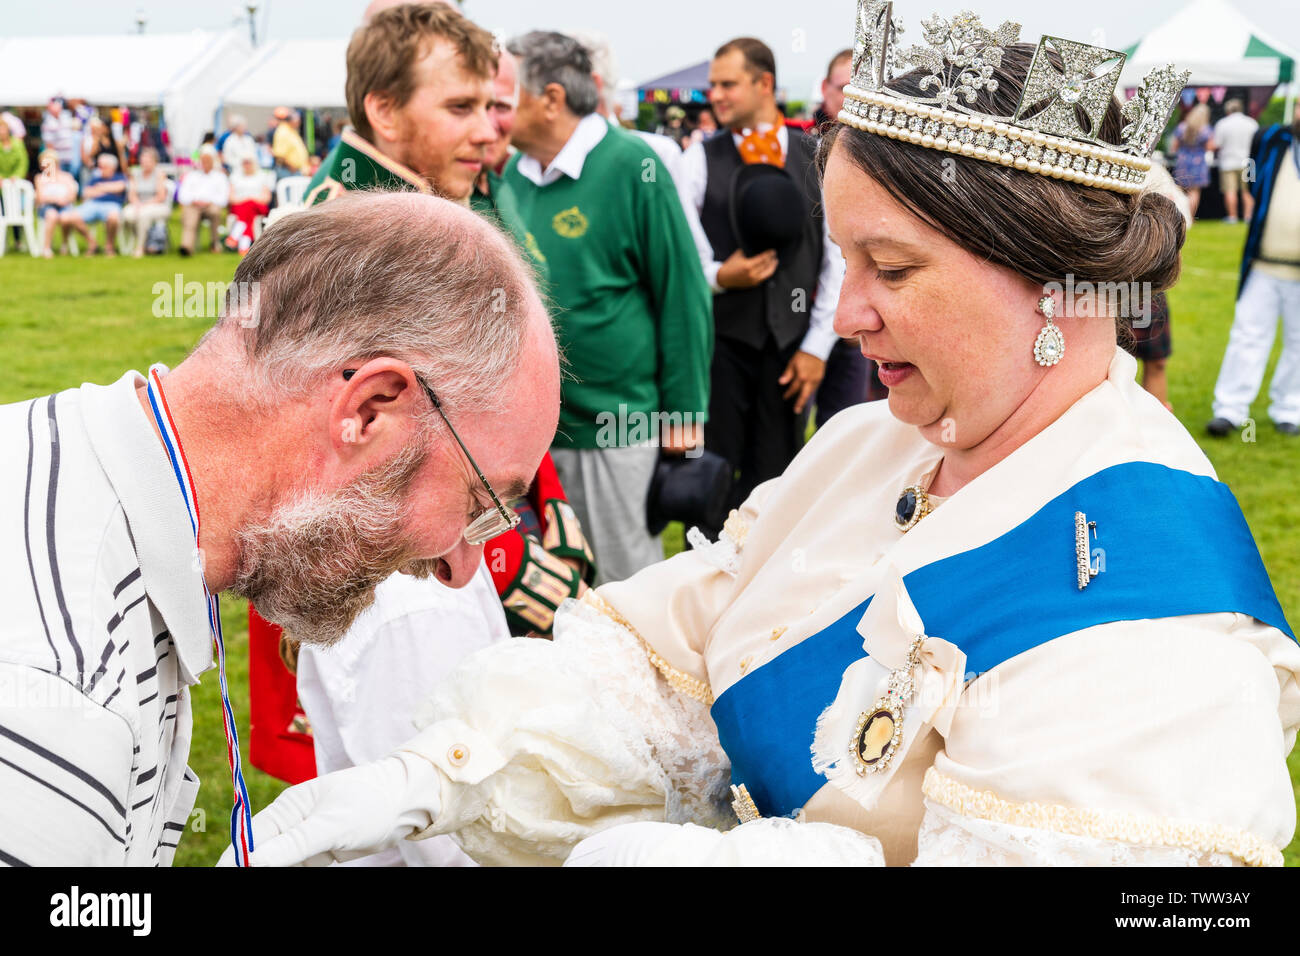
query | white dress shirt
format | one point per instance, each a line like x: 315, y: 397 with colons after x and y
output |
x: 198, y: 186
x: 591, y: 129
x: 820, y: 337
x: 361, y: 695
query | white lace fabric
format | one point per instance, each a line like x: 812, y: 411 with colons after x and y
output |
x: 773, y: 841
x: 949, y: 838
x: 590, y: 735
x: 723, y: 554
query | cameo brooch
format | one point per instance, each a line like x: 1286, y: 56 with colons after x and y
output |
x: 879, y: 730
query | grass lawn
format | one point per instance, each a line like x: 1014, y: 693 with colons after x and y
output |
x: 66, y: 321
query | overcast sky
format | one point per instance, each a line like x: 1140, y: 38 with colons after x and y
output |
x: 650, y: 37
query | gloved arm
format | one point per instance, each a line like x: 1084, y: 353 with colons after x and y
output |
x: 345, y: 815
x: 527, y: 748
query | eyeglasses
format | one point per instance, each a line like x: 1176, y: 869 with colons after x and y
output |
x: 493, y: 521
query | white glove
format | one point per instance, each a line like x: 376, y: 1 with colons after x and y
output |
x: 347, y: 814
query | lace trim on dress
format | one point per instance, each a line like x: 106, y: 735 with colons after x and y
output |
x: 722, y: 554
x: 680, y: 733
x: 678, y: 680
x: 947, y: 838
x: 1206, y: 839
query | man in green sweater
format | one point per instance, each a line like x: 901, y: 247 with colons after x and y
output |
x: 632, y: 307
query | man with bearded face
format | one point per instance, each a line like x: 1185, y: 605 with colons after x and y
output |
x: 368, y: 338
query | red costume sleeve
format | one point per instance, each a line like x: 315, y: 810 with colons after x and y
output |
x: 275, y: 745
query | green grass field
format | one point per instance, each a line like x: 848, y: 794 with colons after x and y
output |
x: 66, y: 321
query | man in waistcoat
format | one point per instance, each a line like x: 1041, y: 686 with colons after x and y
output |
x: 772, y: 309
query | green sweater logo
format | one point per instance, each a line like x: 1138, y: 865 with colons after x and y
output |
x: 571, y: 223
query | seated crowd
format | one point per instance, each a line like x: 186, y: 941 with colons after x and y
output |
x: 87, y: 176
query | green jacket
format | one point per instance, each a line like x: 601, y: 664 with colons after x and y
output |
x: 13, y: 159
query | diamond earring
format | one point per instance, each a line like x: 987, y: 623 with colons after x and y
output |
x: 1049, y: 347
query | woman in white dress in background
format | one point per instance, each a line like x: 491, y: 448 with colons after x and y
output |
x: 937, y: 638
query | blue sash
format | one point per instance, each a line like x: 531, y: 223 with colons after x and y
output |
x: 1174, y: 544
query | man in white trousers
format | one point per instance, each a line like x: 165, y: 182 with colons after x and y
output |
x: 1270, y: 286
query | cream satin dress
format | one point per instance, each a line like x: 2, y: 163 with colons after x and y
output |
x: 1155, y: 741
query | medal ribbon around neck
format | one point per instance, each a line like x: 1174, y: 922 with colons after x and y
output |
x: 241, y: 814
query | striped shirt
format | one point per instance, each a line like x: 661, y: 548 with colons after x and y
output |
x: 104, y: 629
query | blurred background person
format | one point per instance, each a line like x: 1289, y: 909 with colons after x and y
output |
x: 706, y: 124
x: 60, y: 132
x: 101, y: 201
x: 237, y: 144
x: 56, y: 192
x: 99, y: 141
x: 1270, y: 286
x: 250, y: 197
x: 147, y: 198
x: 287, y: 147
x: 1192, y: 141
x: 488, y: 188
x: 1234, y: 135
x: 674, y: 125
x: 838, y: 73
x: 203, y: 196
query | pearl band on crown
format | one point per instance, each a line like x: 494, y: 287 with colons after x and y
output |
x: 960, y: 133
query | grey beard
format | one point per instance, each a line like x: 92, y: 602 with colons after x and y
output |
x: 312, y: 567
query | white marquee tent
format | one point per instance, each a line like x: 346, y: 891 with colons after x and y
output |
x: 181, y: 73
x: 298, y: 73
x: 1214, y: 40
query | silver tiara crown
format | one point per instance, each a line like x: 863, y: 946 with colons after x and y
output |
x: 1054, y: 128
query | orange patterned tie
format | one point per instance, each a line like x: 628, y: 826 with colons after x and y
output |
x: 762, y: 146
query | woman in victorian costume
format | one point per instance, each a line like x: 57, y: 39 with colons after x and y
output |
x: 935, y: 638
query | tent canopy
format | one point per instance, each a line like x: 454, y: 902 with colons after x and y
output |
x: 689, y: 78
x: 178, y: 72
x: 306, y: 73
x: 1217, y: 43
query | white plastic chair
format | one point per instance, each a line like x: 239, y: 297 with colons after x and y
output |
x: 18, y: 208
x: 290, y: 194
x: 290, y: 191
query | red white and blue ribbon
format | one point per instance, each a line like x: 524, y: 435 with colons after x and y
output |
x: 241, y: 815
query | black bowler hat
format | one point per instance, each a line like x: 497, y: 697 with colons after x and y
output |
x: 768, y: 210
x: 690, y: 490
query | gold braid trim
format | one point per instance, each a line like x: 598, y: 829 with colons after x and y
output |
x: 1133, y: 828
x: 679, y: 681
